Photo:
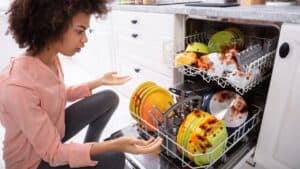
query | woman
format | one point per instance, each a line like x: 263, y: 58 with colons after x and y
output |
x: 33, y: 95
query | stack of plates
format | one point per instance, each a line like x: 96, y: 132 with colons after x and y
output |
x: 203, y: 136
x: 149, y: 99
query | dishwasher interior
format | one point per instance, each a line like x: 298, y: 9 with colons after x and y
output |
x: 202, y: 82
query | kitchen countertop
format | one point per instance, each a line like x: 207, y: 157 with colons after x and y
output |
x: 289, y: 14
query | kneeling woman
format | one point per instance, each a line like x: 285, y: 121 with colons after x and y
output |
x: 33, y: 95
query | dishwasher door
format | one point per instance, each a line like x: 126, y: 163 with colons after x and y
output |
x: 278, y: 143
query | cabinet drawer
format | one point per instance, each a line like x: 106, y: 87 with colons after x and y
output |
x: 146, y: 50
x: 161, y: 24
x: 139, y: 74
x: 154, y: 66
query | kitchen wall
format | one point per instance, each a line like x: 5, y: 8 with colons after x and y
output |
x: 7, y: 44
x: 4, y: 4
x: 8, y: 48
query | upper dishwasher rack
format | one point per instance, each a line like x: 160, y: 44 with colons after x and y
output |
x: 262, y: 49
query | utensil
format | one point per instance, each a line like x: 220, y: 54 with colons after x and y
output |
x: 220, y: 115
x: 231, y: 106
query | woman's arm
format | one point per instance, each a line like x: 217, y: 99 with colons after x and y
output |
x: 128, y: 145
x: 83, y: 90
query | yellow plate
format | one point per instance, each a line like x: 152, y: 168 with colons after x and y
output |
x: 197, y: 115
x: 198, y: 143
x: 132, y: 98
x: 182, y: 128
x: 190, y: 133
x: 136, y: 96
x: 139, y: 101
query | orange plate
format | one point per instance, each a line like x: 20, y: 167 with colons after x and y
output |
x: 135, y: 97
x: 141, y: 97
x: 158, y: 97
x: 139, y: 101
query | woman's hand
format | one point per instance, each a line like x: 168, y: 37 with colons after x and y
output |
x: 128, y: 145
x: 138, y: 146
x: 110, y: 78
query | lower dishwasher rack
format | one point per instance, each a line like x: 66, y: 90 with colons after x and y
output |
x: 237, y: 144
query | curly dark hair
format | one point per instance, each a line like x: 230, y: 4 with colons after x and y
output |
x: 35, y: 23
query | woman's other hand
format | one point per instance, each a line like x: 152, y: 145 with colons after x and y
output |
x: 110, y: 78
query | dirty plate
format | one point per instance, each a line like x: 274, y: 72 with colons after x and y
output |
x: 231, y: 103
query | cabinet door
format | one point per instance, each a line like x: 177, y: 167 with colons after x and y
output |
x: 145, y: 49
x: 139, y: 74
x: 158, y: 23
x: 96, y: 57
x: 278, y: 145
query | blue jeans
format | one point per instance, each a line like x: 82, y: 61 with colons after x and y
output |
x: 94, y: 111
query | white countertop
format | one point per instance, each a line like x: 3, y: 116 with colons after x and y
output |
x: 289, y: 14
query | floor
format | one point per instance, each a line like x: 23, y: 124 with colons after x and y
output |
x: 120, y: 119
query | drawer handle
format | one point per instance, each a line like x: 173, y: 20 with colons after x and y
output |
x: 137, y: 70
x: 134, y: 21
x: 284, y: 50
x: 134, y: 35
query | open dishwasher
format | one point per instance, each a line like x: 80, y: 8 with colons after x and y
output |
x: 193, y: 85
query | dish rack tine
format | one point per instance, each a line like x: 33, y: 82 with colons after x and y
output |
x: 173, y: 107
x: 153, y: 117
x: 169, y: 111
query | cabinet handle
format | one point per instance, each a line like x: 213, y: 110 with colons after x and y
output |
x: 137, y: 70
x: 134, y: 35
x: 134, y: 21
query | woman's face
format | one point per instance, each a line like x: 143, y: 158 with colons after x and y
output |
x: 75, y: 37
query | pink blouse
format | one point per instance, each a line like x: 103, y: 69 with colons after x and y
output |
x: 32, y: 111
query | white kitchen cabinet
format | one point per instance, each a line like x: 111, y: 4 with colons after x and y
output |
x: 278, y: 143
x: 144, y: 44
x: 160, y: 24
x: 146, y: 49
x: 139, y: 74
x: 97, y: 56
